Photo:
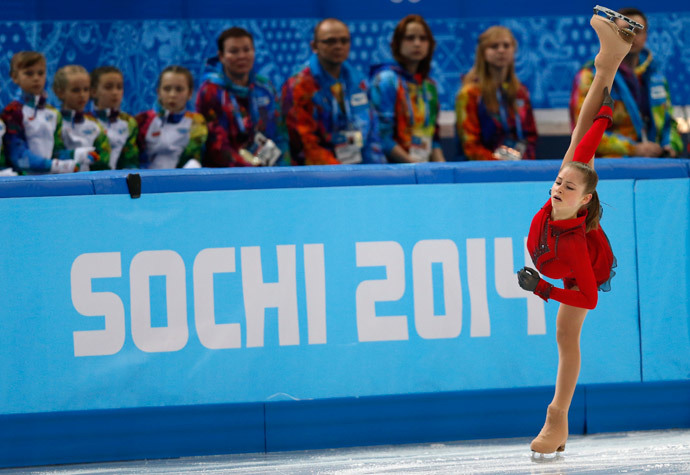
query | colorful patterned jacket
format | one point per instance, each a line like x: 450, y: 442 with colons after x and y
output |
x: 629, y: 124
x: 122, y: 131
x: 79, y: 131
x: 171, y: 140
x: 316, y: 121
x: 234, y: 114
x: 33, y: 131
x: 481, y: 132
x: 404, y: 105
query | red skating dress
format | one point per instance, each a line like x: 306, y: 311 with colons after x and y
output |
x: 563, y: 250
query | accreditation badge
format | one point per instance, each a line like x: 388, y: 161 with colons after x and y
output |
x: 348, y: 146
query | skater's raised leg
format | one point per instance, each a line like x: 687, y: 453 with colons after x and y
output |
x: 614, y: 45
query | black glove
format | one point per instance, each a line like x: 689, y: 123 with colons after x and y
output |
x: 528, y: 278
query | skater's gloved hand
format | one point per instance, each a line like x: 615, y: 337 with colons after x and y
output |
x: 528, y: 278
x: 63, y: 166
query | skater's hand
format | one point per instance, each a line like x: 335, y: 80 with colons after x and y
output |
x: 647, y: 149
x: 528, y: 278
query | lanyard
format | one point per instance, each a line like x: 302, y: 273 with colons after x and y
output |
x: 504, y: 117
x: 253, y: 110
x: 427, y: 102
x: 631, y: 107
x: 335, y: 108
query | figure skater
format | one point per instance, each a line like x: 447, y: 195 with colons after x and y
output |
x: 565, y: 240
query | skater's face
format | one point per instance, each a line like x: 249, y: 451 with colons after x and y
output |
x: 76, y: 93
x: 237, y: 56
x: 414, y: 46
x: 640, y: 36
x: 568, y: 191
x: 500, y: 51
x: 174, y: 91
x: 31, y: 79
x: 332, y: 43
x: 107, y: 94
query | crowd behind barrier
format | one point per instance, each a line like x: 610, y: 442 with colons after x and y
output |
x: 445, y: 74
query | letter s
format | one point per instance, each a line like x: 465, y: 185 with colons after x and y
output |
x: 111, y: 339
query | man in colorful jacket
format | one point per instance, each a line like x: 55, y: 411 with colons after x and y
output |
x: 328, y: 115
x: 240, y: 108
x: 643, y: 125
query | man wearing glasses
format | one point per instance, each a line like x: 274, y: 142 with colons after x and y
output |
x: 327, y: 111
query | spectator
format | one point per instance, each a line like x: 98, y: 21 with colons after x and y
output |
x: 33, y: 125
x: 642, y: 122
x: 5, y: 170
x: 330, y: 113
x: 493, y: 112
x: 107, y: 88
x: 405, y: 98
x: 81, y: 137
x: 171, y: 136
x: 240, y: 107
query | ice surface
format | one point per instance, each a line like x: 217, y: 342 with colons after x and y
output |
x: 625, y: 452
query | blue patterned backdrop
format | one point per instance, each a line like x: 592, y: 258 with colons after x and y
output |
x: 550, y: 50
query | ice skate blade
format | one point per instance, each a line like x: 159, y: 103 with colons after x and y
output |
x: 612, y: 15
x: 538, y: 457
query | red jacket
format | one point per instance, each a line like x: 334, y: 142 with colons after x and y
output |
x: 563, y: 250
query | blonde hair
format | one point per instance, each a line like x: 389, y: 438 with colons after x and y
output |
x: 481, y: 75
x: 61, y: 78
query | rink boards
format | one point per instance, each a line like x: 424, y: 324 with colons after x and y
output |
x: 258, y: 310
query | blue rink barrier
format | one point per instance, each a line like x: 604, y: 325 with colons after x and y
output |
x: 231, y: 311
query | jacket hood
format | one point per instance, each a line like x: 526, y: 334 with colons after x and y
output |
x: 214, y: 72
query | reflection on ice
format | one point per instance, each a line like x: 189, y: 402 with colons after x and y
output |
x: 632, y: 452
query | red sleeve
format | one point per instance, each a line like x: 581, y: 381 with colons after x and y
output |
x: 573, y: 251
x: 144, y: 120
x: 585, y: 150
x: 468, y: 126
x: 220, y: 150
x: 301, y: 117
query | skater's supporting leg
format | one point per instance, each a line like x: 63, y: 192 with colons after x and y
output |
x: 568, y: 327
x: 554, y: 434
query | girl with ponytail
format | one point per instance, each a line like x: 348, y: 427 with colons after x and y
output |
x: 565, y: 239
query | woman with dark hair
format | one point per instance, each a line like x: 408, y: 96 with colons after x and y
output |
x: 565, y: 239
x: 405, y: 98
x: 494, y: 117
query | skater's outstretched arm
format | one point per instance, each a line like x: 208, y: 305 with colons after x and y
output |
x: 614, y: 45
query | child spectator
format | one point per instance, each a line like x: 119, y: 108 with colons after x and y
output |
x: 81, y: 137
x: 107, y: 89
x: 33, y: 126
x: 172, y: 136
